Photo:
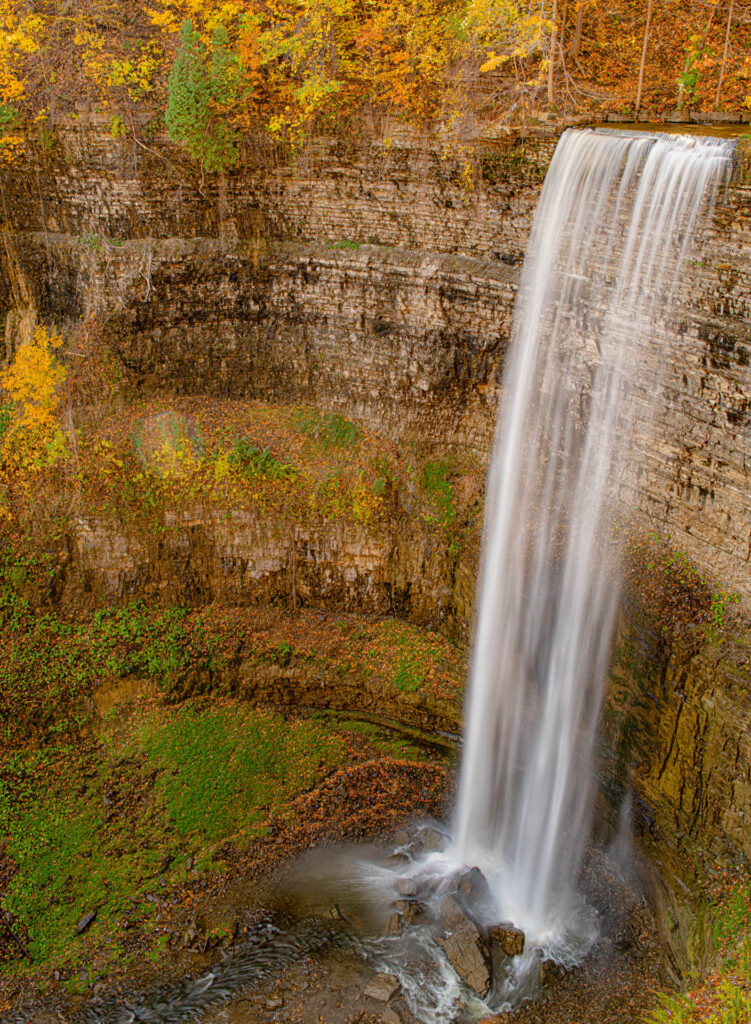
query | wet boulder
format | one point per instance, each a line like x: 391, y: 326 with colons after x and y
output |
x: 431, y: 840
x: 508, y: 937
x: 394, y: 925
x: 453, y: 914
x: 468, y: 953
x: 413, y: 911
x: 407, y: 887
x: 473, y: 885
x: 550, y: 972
x: 382, y: 987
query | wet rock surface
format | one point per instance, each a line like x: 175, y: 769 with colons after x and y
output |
x: 468, y: 953
x: 453, y: 914
x: 311, y: 972
x: 509, y: 938
x: 382, y: 987
x: 550, y: 972
x: 474, y: 886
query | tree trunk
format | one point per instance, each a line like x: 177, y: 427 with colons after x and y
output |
x: 576, y: 42
x: 724, y: 56
x: 553, y: 45
x: 643, y: 57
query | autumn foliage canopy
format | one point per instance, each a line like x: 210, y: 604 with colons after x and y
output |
x: 282, y: 67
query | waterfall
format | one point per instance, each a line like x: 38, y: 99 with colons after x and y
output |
x: 610, y: 242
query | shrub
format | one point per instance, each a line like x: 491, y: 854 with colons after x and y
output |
x: 332, y: 430
x: 33, y: 381
x: 31, y: 433
x: 250, y: 460
x: 6, y: 412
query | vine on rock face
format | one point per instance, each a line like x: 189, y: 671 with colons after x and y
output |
x: 204, y: 84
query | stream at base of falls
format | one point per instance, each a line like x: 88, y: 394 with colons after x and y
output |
x: 315, y: 943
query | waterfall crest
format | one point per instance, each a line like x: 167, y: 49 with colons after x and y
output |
x: 611, y: 237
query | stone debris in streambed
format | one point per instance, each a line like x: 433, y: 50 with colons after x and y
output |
x: 469, y: 955
x: 509, y: 938
x: 382, y: 987
x: 385, y: 988
x: 471, y: 945
x: 460, y: 911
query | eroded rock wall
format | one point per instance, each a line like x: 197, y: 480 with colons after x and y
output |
x: 237, y: 557
x: 676, y: 745
x: 370, y: 278
x: 407, y: 342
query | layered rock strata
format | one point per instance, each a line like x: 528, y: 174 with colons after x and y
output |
x: 375, y: 279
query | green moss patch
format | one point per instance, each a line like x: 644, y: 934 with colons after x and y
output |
x: 52, y: 665
x: 100, y: 827
x: 414, y: 660
x: 438, y: 487
x: 331, y: 431
x: 222, y: 770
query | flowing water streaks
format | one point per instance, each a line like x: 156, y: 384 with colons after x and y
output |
x: 266, y: 953
x: 612, y: 232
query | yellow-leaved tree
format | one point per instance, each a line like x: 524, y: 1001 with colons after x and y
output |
x: 20, y: 33
x: 292, y: 66
x: 33, y: 438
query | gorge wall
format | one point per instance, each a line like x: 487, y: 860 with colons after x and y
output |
x: 376, y: 278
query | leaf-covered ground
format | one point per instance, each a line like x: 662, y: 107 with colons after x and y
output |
x: 56, y: 670
x: 148, y: 456
x: 169, y: 802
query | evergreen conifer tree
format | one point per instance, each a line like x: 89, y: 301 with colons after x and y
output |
x: 202, y: 88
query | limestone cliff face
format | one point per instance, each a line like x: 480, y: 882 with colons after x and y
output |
x: 676, y: 738
x: 238, y: 557
x: 367, y: 279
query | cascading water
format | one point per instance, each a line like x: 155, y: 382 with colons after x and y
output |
x: 610, y: 240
